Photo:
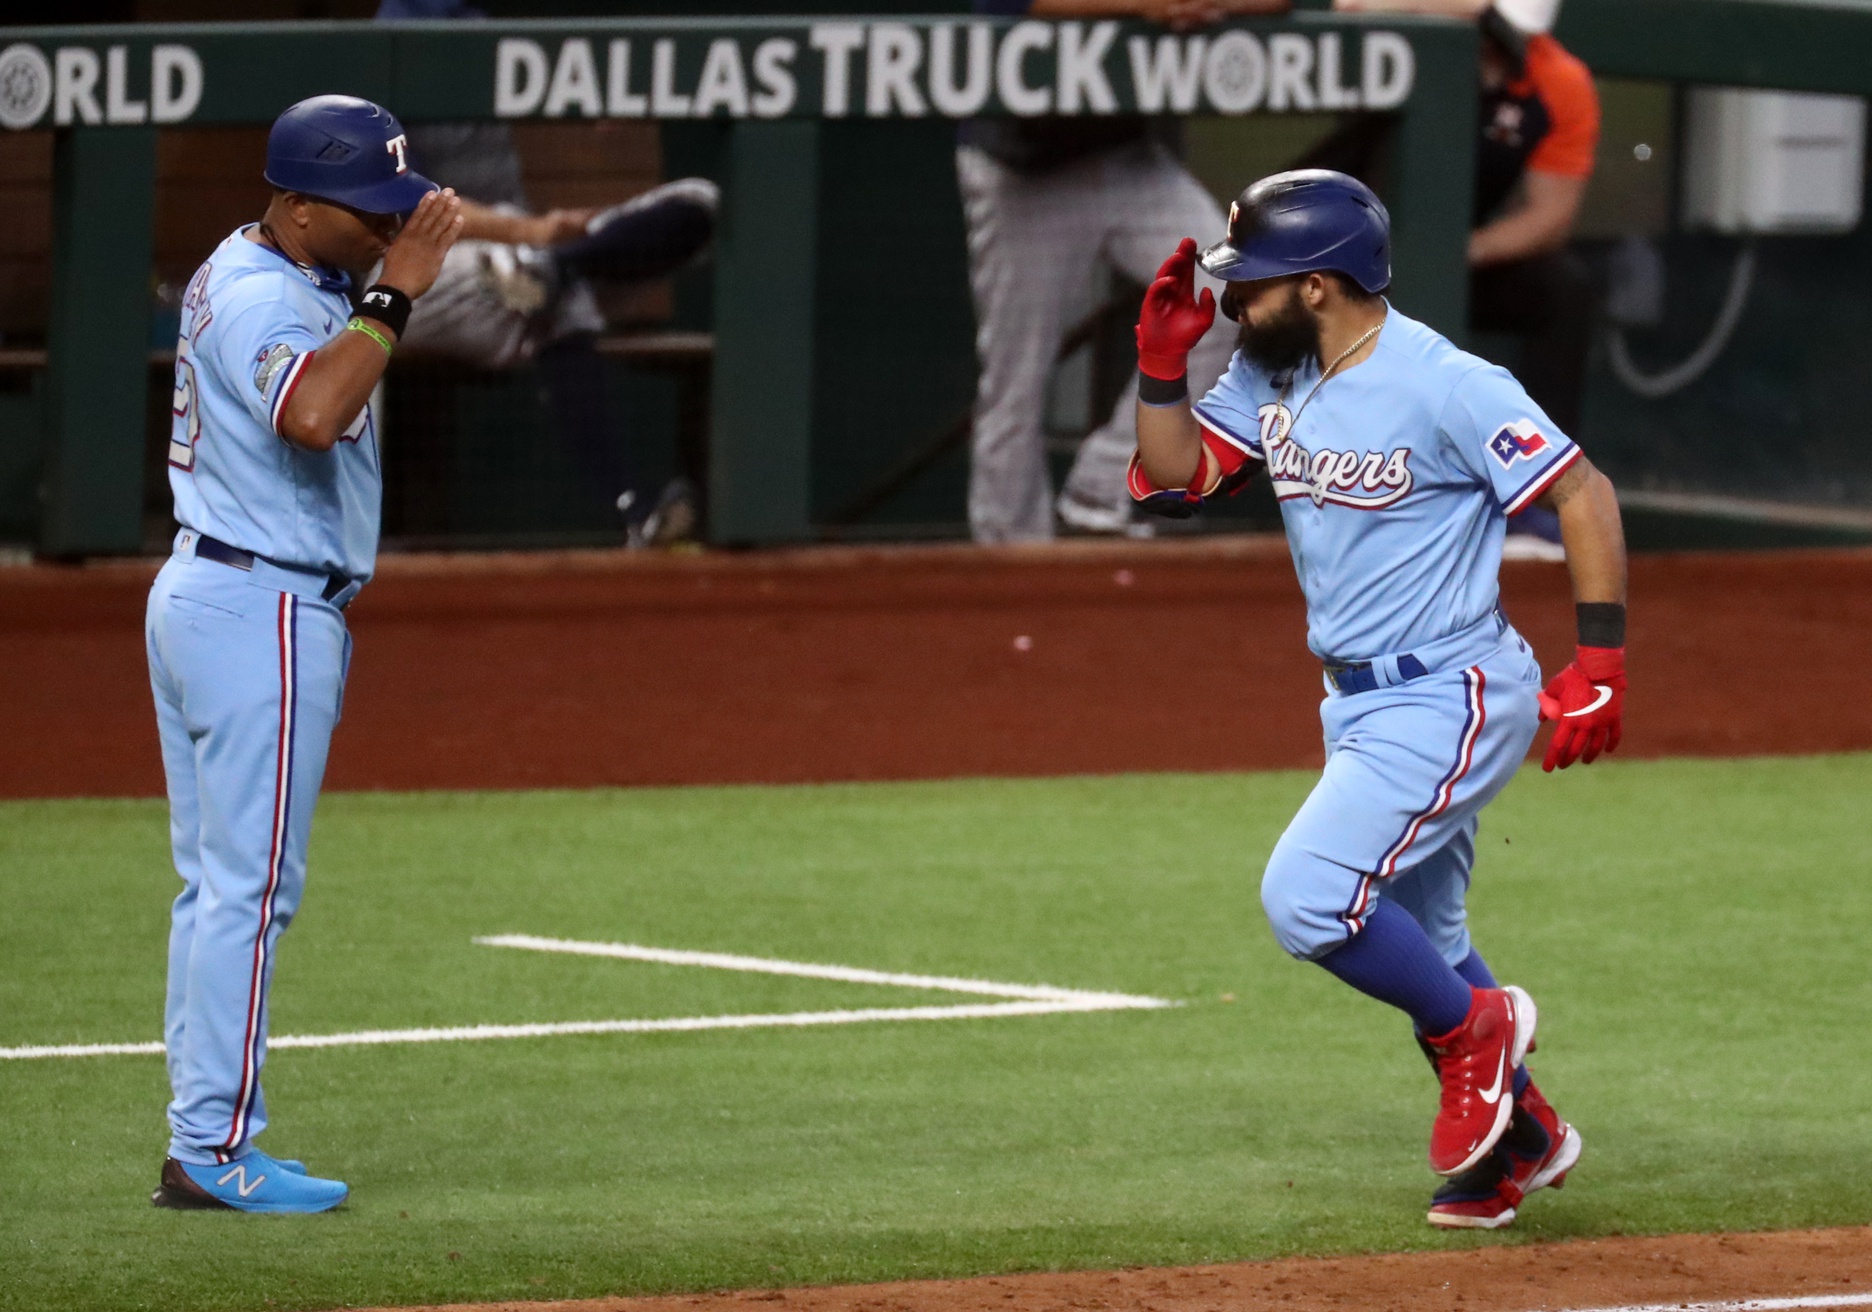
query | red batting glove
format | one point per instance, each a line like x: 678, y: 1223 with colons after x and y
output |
x: 1587, y: 701
x: 1173, y: 320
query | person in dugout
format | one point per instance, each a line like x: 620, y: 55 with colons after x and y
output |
x: 1539, y: 131
x: 519, y: 287
x: 1046, y: 200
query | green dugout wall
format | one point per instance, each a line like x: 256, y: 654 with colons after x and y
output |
x: 782, y: 289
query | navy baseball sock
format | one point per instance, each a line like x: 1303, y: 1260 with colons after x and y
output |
x: 1392, y: 960
x: 1476, y: 971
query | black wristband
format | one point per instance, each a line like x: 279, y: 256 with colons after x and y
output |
x: 1601, y: 624
x: 1162, y: 391
x: 387, y: 306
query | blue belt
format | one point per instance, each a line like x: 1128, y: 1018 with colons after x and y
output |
x: 221, y: 553
x: 1359, y: 676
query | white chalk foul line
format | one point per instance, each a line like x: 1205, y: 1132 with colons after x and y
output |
x: 846, y: 974
x: 1029, y: 1000
x: 1747, y: 1305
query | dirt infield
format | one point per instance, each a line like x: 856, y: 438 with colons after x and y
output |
x: 1617, y: 1273
x: 582, y: 669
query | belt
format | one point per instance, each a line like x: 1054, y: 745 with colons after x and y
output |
x: 1359, y: 676
x: 221, y: 553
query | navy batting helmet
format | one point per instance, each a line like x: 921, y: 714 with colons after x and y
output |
x: 1305, y: 221
x: 348, y: 150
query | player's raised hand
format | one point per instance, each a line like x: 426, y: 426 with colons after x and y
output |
x: 1586, y: 701
x: 414, y: 259
x: 1173, y: 320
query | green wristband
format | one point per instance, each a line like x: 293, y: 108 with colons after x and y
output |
x: 358, y: 325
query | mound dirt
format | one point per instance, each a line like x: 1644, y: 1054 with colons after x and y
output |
x: 1615, y: 1273
x: 606, y: 668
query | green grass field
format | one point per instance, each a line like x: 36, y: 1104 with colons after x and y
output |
x: 1695, y: 933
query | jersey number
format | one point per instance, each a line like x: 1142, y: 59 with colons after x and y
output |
x: 185, y: 431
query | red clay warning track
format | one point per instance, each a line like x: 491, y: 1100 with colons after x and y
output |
x: 1617, y: 1273
x: 585, y: 669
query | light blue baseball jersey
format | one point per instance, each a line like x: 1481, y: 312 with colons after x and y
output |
x: 251, y: 321
x: 1395, y: 485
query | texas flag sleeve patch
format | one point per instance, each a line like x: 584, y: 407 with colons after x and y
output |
x: 1549, y: 458
x: 1518, y: 441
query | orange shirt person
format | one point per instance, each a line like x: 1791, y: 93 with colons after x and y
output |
x: 1539, y: 132
x: 1540, y: 124
x: 1540, y: 129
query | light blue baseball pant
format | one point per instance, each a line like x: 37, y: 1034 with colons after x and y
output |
x: 248, y: 680
x: 1408, y: 769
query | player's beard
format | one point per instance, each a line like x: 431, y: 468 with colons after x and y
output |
x: 1285, y: 340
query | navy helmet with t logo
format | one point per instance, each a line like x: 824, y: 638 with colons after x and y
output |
x: 344, y: 149
x: 1305, y: 221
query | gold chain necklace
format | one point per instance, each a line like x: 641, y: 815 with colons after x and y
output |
x: 1325, y: 373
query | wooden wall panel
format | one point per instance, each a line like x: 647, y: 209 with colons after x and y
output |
x: 25, y: 234
x: 570, y: 164
x: 208, y: 182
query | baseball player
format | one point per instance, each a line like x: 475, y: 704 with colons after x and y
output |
x: 274, y: 464
x: 1396, y: 459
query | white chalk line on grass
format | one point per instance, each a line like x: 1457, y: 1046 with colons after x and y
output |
x: 846, y: 974
x: 1027, y: 1000
x: 1747, y: 1304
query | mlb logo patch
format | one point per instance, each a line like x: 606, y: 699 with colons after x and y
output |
x: 1518, y: 441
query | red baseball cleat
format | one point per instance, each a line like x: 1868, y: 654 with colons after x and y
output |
x: 1536, y: 1152
x: 1476, y: 1063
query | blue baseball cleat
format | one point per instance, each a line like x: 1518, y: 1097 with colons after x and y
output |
x: 254, y: 1183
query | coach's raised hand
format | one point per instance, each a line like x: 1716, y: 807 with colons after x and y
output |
x: 333, y: 388
x: 414, y: 259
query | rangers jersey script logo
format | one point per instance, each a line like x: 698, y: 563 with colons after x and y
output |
x: 1518, y: 441
x: 1363, y: 480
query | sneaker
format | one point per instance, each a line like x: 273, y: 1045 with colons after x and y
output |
x: 517, y: 279
x: 1536, y: 1152
x: 1475, y: 1063
x: 1086, y: 517
x: 672, y: 520
x: 254, y: 1183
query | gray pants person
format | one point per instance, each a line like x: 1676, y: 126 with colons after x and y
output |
x: 495, y: 306
x: 1034, y: 240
